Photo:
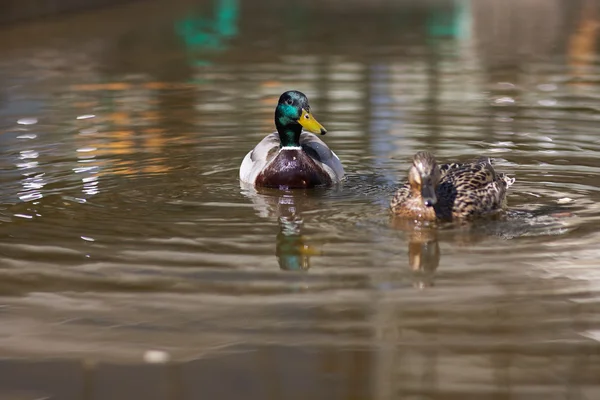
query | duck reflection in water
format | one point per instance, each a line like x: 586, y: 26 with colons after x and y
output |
x: 291, y: 250
x: 423, y: 250
x: 292, y: 253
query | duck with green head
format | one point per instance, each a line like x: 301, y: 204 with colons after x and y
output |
x: 450, y: 191
x: 292, y: 158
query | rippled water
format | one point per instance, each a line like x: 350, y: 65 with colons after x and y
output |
x: 124, y: 227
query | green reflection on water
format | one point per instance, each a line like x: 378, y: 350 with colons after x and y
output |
x: 452, y: 22
x: 201, y: 33
x: 291, y: 251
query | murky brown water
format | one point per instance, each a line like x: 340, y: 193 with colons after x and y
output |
x: 124, y: 228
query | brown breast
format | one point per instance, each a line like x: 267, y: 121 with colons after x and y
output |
x: 293, y: 169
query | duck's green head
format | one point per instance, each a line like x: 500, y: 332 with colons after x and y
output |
x: 424, y: 177
x: 291, y: 115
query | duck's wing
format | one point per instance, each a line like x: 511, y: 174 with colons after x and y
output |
x: 482, y: 160
x: 318, y: 151
x: 452, y: 167
x: 480, y: 169
x: 484, y: 167
x: 258, y: 158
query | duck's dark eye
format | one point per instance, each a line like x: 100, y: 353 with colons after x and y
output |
x: 289, y: 101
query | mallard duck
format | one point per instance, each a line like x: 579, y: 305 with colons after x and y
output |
x: 291, y: 158
x: 450, y: 191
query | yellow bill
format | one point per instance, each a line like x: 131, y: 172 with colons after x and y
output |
x: 309, y: 123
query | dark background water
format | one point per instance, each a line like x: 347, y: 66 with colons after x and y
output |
x: 125, y: 230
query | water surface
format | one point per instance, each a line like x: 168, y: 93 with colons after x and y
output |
x: 125, y: 229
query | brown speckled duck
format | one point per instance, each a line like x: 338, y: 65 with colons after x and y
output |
x: 450, y: 191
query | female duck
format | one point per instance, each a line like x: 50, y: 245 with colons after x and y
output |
x: 291, y: 158
x: 450, y: 191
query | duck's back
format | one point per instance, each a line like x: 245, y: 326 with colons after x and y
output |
x: 471, y: 189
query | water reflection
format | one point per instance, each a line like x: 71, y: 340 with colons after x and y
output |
x: 287, y: 207
x: 33, y: 180
x: 583, y: 42
x: 292, y: 252
x: 204, y: 35
x: 423, y: 249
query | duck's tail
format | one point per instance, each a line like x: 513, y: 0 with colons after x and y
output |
x: 507, y: 180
